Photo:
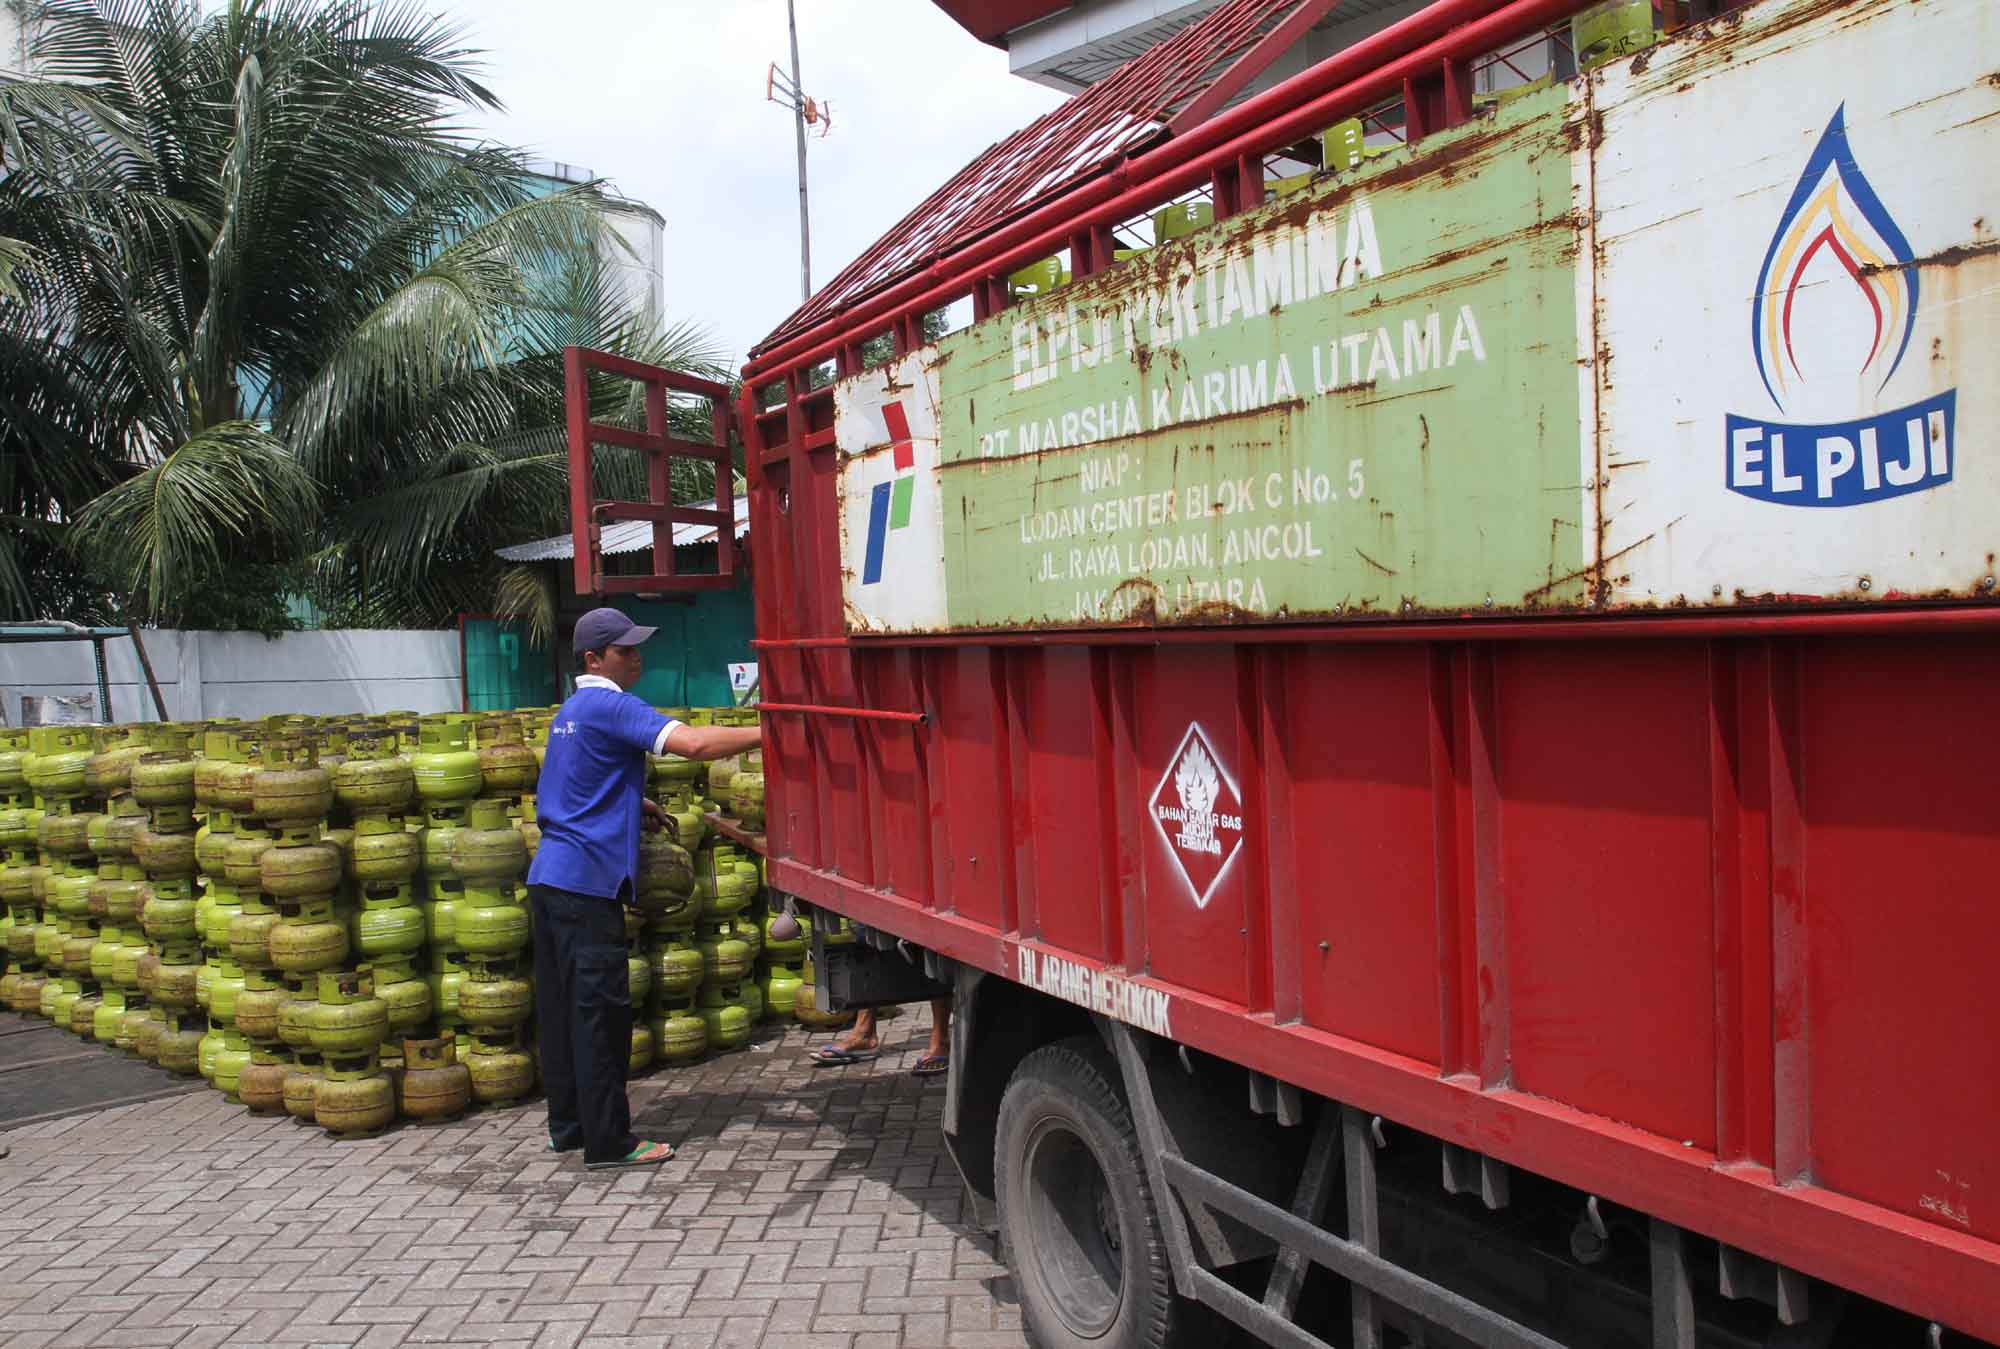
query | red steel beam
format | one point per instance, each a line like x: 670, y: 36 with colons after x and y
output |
x: 1348, y: 80
x: 1366, y: 629
x: 1250, y: 65
x: 857, y: 713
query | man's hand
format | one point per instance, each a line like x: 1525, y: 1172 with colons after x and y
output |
x: 654, y: 815
x: 713, y: 742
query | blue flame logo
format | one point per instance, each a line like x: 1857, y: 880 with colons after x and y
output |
x: 1881, y: 454
x: 1834, y: 208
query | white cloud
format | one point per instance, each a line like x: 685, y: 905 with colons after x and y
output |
x: 666, y: 100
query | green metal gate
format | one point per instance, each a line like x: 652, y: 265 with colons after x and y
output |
x: 502, y: 669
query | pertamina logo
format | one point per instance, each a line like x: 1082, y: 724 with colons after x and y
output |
x: 1200, y: 814
x: 889, y: 502
x: 1835, y: 306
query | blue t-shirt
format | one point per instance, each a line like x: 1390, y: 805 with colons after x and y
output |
x: 587, y: 802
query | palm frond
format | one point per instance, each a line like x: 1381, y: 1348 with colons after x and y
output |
x: 15, y: 256
x: 174, y: 521
x: 526, y: 592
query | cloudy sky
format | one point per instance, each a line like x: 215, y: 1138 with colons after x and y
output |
x: 665, y: 98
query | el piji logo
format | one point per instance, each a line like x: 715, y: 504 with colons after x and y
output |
x: 1835, y: 217
x: 889, y: 502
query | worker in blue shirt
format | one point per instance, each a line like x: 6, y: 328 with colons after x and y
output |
x: 591, y: 802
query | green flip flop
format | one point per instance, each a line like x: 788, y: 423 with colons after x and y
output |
x: 646, y: 1154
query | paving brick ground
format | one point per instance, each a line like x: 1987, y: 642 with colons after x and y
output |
x: 808, y: 1209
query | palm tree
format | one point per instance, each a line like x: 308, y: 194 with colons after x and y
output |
x: 281, y: 325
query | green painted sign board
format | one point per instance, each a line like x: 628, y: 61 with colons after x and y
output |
x: 1362, y: 397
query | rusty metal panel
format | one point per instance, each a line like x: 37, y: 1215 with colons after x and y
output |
x: 891, y: 527
x: 1358, y: 399
x: 1794, y: 317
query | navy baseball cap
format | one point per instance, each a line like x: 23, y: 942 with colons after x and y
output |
x: 608, y: 627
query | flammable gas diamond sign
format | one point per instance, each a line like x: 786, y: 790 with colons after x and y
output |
x: 1199, y: 813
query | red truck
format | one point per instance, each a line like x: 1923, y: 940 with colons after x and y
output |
x: 1415, y: 668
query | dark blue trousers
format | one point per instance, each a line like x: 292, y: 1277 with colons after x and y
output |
x: 583, y: 1013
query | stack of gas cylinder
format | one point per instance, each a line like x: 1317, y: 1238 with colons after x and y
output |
x: 327, y: 917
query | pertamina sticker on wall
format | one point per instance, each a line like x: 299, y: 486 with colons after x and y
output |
x: 1199, y: 813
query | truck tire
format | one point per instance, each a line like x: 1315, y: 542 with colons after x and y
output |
x: 1081, y: 1232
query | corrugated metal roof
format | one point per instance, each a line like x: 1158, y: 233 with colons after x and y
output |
x: 626, y: 536
x: 1116, y: 116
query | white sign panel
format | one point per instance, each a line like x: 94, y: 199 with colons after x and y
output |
x: 1796, y: 313
x: 891, y: 533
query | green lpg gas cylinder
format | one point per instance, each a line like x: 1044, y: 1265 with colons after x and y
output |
x: 165, y: 778
x: 232, y: 1056
x: 180, y: 1043
x: 501, y: 1069
x: 722, y: 1012
x: 295, y: 1013
x: 488, y: 851
x: 374, y: 777
x: 108, y: 772
x: 262, y: 1084
x: 224, y: 989
x: 495, y: 995
x: 260, y: 1005
x: 354, y: 1098
x: 780, y: 984
x: 805, y: 1003
x: 492, y: 923
x: 172, y: 982
x: 746, y: 793
x: 679, y: 1033
x: 726, y: 880
x: 168, y: 912
x: 211, y: 844
x: 298, y: 864
x: 385, y: 851
x: 110, y: 1014
x: 507, y: 767
x: 750, y: 997
x: 291, y: 788
x: 445, y: 764
x: 302, y: 1081
x: 724, y: 959
x: 249, y: 931
x: 676, y: 964
x: 349, y: 1019
x: 446, y: 978
x: 310, y: 936
x: 243, y: 857
x: 145, y: 1025
x: 435, y: 1086
x: 57, y: 761
x: 749, y: 929
x: 389, y: 923
x: 638, y: 974
x: 666, y: 880
x: 406, y: 993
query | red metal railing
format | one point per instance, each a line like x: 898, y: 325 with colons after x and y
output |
x: 857, y: 713
x: 1114, y: 116
x: 587, y: 514
x: 1427, y: 57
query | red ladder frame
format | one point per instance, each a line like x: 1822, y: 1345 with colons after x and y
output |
x: 587, y: 515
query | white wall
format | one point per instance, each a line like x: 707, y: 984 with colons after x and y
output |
x: 208, y: 674
x: 13, y: 40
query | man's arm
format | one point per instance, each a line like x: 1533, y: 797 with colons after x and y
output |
x: 712, y: 742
